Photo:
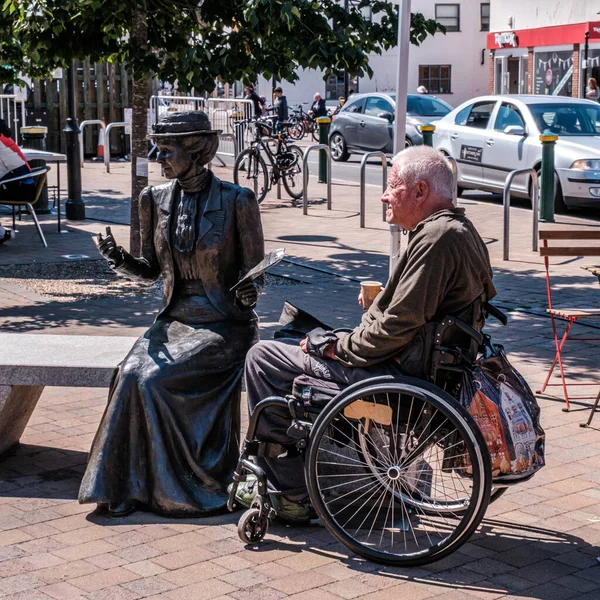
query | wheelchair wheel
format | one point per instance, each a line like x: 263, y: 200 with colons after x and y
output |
x: 398, y: 472
x: 252, y: 527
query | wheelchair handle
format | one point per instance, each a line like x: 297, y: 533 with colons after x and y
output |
x: 496, y: 313
x: 470, y: 331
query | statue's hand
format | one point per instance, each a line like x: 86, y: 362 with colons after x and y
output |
x: 109, y: 249
x: 247, y: 294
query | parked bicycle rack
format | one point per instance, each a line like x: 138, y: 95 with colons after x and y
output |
x: 535, y: 208
x: 363, y: 164
x: 109, y: 128
x: 82, y: 127
x: 305, y: 175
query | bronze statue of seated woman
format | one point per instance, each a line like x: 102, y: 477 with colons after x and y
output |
x: 169, y: 438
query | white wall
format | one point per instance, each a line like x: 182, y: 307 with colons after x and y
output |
x: 461, y: 49
x: 303, y: 90
x: 531, y: 14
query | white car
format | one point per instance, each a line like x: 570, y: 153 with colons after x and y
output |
x: 490, y: 136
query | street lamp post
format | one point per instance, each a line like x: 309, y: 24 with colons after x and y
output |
x: 400, y: 117
x: 74, y: 207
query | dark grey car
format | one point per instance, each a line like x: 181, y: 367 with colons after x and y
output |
x: 365, y: 123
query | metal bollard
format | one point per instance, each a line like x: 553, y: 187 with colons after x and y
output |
x: 240, y: 130
x: 427, y: 131
x: 363, y: 164
x: 305, y: 175
x: 548, y: 140
x: 324, y: 123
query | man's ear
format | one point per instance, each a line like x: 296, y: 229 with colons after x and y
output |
x: 421, y: 191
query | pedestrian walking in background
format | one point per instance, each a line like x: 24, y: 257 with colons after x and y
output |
x: 280, y: 106
x: 318, y: 108
x: 256, y: 101
x: 592, y: 91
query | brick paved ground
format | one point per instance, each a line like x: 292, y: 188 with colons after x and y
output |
x: 538, y: 541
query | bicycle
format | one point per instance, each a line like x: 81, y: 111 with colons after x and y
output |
x: 303, y: 123
x: 285, y: 162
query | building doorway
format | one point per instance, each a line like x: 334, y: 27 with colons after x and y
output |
x: 510, y: 74
x: 513, y: 75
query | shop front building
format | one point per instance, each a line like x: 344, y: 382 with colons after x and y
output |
x: 555, y: 61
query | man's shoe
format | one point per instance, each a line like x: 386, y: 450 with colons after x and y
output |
x: 293, y: 512
x: 246, y: 490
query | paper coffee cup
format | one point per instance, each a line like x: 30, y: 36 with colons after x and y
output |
x: 369, y: 289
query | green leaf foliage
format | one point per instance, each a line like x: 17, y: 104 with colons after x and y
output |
x: 197, y: 41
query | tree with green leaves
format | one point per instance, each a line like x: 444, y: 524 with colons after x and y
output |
x: 194, y: 42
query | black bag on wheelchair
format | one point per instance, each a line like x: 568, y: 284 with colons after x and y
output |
x: 507, y: 412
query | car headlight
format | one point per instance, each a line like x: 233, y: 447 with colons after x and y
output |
x: 587, y: 164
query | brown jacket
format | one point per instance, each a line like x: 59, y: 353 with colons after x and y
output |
x: 445, y: 268
x: 231, y: 238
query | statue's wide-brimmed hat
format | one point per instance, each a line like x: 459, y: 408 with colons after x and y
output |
x: 183, y: 124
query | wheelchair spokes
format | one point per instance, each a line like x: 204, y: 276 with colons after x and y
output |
x: 380, y: 478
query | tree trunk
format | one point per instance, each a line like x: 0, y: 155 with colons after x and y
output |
x: 139, y: 146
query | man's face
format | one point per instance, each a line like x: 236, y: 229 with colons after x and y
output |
x: 404, y: 204
x: 176, y: 162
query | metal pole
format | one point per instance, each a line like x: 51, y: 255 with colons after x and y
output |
x: 506, y: 206
x: 535, y: 208
x: 346, y: 10
x: 454, y: 168
x: 363, y: 165
x: 586, y: 51
x: 400, y: 117
x: 548, y: 140
x: 427, y: 131
x: 305, y: 175
x: 74, y: 206
x: 323, y: 123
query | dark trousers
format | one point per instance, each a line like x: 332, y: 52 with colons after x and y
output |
x: 271, y: 367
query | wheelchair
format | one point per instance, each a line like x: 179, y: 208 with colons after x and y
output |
x: 396, y: 469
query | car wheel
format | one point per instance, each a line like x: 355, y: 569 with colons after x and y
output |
x: 559, y: 201
x: 408, y: 142
x: 337, y: 145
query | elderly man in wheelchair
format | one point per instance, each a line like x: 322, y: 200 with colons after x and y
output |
x: 361, y: 426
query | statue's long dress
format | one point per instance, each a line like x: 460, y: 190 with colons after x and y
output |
x: 169, y: 438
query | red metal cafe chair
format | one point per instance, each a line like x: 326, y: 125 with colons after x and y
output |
x: 570, y: 315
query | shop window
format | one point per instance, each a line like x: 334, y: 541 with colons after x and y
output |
x: 485, y: 16
x: 436, y: 78
x: 334, y: 88
x: 553, y: 73
x: 448, y: 15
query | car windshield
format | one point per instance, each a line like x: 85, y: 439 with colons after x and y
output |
x: 424, y: 106
x: 567, y: 119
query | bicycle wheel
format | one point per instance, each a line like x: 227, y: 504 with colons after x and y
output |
x: 292, y: 178
x: 314, y: 130
x: 411, y: 502
x: 296, y: 129
x: 250, y: 171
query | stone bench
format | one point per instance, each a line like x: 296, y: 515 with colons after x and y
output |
x: 30, y: 362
